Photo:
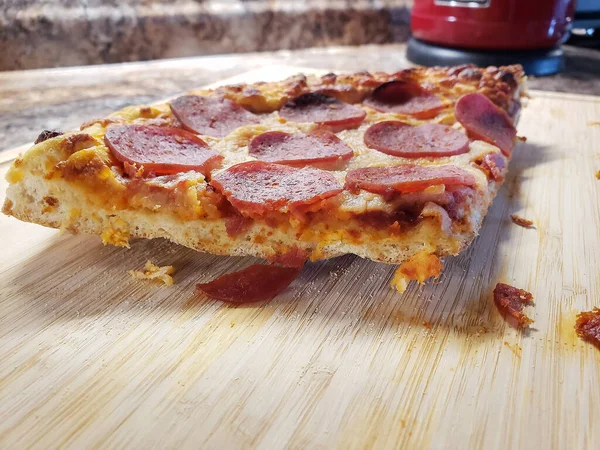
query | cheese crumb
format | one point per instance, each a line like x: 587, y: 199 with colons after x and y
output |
x: 421, y: 266
x: 156, y: 273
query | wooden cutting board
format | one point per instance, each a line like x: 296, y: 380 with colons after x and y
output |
x: 90, y: 358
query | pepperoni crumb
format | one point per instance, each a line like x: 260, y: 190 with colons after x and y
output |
x: 525, y: 223
x: 256, y: 283
x: 587, y: 326
x: 510, y: 302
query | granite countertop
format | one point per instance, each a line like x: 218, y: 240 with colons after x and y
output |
x: 58, y: 33
x: 64, y: 98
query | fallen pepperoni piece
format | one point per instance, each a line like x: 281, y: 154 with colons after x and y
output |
x: 161, y: 150
x: 316, y: 148
x: 323, y: 110
x: 493, y: 164
x: 401, y: 139
x: 406, y: 178
x: 484, y: 120
x: 212, y: 116
x: 510, y: 302
x: 587, y: 326
x: 256, y: 188
x: 256, y: 283
x: 403, y: 97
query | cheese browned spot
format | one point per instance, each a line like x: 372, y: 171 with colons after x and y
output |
x: 155, y: 273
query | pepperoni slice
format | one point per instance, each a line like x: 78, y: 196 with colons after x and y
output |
x: 212, y: 116
x: 587, y: 326
x: 161, y: 150
x: 406, y: 178
x: 256, y: 188
x: 401, y: 139
x: 256, y: 283
x: 319, y: 147
x: 403, y: 97
x: 323, y: 110
x: 484, y: 120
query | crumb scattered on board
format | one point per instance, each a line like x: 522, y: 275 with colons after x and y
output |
x: 510, y: 301
x: 594, y: 124
x: 420, y: 267
x: 598, y: 174
x: 521, y: 221
x: 587, y: 326
x: 154, y: 273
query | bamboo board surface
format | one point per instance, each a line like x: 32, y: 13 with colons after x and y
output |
x: 90, y: 358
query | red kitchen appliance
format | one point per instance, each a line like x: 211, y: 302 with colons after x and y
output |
x: 491, y: 32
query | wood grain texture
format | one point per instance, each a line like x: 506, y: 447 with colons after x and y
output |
x: 90, y: 358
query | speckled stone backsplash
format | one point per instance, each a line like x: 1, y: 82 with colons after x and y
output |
x: 55, y: 33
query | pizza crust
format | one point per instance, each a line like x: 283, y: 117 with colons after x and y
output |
x: 28, y: 201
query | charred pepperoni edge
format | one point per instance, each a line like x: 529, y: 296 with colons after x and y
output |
x: 259, y: 282
x: 510, y: 302
x: 47, y: 134
x: 313, y: 98
x: 379, y: 96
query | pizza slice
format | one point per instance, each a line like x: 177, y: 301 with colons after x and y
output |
x: 397, y: 168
